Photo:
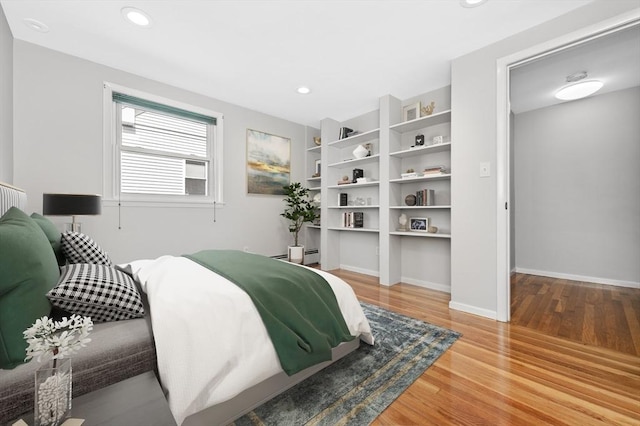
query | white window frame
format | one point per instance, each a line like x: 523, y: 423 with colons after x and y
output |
x: 111, y: 155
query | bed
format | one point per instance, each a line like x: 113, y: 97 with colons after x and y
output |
x: 167, y: 339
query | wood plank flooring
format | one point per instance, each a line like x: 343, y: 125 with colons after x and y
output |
x: 593, y: 314
x: 505, y: 374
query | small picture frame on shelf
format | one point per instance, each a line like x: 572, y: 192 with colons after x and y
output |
x: 419, y: 224
x: 411, y: 112
x: 318, y: 168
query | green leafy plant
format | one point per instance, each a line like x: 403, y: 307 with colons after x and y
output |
x: 299, y: 208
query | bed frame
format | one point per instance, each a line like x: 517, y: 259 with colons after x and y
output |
x: 228, y: 411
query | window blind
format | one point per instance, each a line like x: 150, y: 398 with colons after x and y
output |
x: 133, y: 101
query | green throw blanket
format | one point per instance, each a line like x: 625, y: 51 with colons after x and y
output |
x: 297, y: 306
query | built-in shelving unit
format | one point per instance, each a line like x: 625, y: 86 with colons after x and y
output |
x: 380, y: 247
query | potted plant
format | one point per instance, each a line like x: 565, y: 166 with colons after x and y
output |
x: 299, y: 210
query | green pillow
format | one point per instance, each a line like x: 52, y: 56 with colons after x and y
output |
x: 28, y: 270
x: 53, y: 235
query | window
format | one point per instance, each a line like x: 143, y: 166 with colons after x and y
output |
x: 160, y: 150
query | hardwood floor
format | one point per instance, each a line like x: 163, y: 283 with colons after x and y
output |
x: 593, y: 314
x: 504, y: 374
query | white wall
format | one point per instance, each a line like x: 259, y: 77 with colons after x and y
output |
x: 6, y: 100
x: 577, y: 185
x: 473, y: 98
x: 58, y: 148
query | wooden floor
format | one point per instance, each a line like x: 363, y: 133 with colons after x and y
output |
x: 503, y: 374
x: 593, y: 314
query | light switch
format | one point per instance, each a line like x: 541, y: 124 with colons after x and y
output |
x: 485, y: 169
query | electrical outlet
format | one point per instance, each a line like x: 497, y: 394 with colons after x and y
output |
x: 485, y: 169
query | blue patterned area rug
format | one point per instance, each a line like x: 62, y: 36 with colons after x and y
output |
x: 357, y: 388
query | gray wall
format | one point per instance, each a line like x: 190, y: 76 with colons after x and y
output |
x: 577, y: 179
x: 6, y: 100
x: 58, y: 148
x: 473, y: 98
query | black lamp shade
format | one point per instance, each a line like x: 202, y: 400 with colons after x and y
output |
x: 70, y: 204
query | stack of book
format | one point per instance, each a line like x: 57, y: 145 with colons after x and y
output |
x: 352, y: 220
x: 434, y: 171
x: 425, y: 197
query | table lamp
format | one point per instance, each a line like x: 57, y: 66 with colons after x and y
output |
x: 71, y: 205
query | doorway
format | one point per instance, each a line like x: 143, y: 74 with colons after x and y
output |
x: 505, y: 131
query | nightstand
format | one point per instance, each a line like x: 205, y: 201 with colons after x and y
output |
x: 137, y: 401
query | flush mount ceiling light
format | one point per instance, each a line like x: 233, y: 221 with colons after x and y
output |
x: 136, y: 16
x: 578, y: 87
x: 472, y: 3
x: 36, y: 25
x: 303, y: 90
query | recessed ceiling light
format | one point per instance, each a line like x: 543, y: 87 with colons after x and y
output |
x: 136, y: 16
x: 36, y: 25
x: 303, y: 90
x: 579, y: 90
x: 472, y: 3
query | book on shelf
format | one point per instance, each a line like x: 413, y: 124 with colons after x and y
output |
x: 343, y: 199
x: 425, y: 197
x: 434, y: 170
x: 352, y: 219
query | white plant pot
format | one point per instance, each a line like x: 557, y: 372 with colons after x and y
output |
x: 296, y: 254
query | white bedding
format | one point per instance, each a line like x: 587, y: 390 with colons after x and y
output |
x: 210, y: 340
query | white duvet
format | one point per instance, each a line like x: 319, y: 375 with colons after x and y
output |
x: 210, y: 340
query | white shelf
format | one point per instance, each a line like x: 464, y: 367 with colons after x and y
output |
x: 418, y: 207
x: 354, y: 207
x: 420, y: 234
x: 388, y: 194
x: 315, y: 188
x: 353, y: 161
x: 337, y: 228
x: 429, y: 149
x: 422, y: 178
x: 354, y: 185
x: 314, y: 226
x: 356, y: 139
x: 317, y: 178
x: 422, y: 122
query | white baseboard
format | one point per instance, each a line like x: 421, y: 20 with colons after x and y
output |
x: 573, y: 277
x: 360, y: 270
x: 473, y: 310
x: 427, y: 284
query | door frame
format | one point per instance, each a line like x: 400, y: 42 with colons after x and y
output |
x: 503, y: 164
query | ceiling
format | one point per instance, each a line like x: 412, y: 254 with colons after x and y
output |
x: 256, y: 53
x: 613, y: 59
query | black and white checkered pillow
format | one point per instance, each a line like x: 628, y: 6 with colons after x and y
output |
x: 80, y: 248
x: 98, y: 291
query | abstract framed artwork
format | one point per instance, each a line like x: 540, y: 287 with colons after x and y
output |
x: 268, y: 163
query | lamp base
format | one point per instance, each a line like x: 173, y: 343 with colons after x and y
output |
x: 73, y: 227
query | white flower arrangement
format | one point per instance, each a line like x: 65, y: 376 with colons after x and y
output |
x: 56, y: 339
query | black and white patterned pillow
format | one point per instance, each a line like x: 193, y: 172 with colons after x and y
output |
x: 98, y: 291
x: 80, y: 248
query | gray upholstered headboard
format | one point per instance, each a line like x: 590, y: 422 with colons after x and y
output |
x: 10, y: 196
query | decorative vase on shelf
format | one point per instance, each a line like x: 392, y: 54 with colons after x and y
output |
x: 52, y: 402
x: 360, y: 152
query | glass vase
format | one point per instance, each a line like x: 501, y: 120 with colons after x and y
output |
x: 52, y: 402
